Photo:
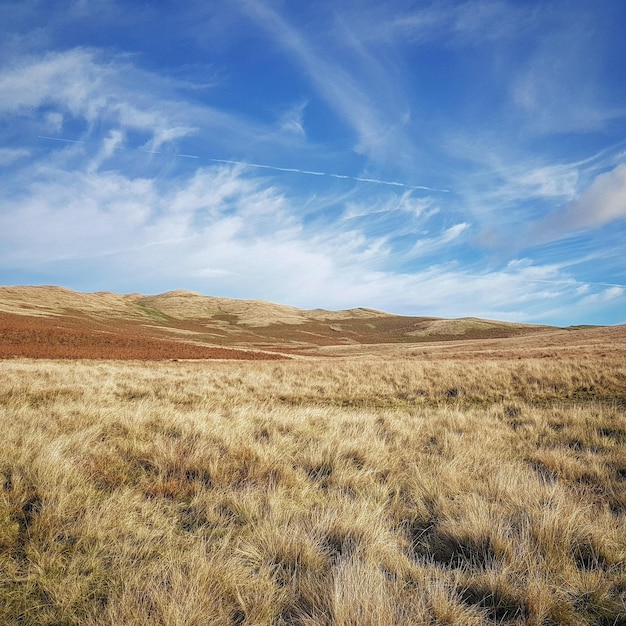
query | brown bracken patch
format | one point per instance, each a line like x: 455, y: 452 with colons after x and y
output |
x: 73, y: 338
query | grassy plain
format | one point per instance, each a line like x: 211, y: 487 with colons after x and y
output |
x: 345, y: 492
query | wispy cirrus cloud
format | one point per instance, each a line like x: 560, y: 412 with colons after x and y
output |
x: 292, y: 120
x: 552, y: 65
x: 10, y: 155
x: 221, y: 224
x: 365, y: 106
x: 518, y: 201
x: 90, y: 92
x: 449, y: 235
x: 562, y: 86
x: 608, y: 295
x: 453, y: 23
x: 111, y: 143
x: 604, y: 201
x: 80, y: 84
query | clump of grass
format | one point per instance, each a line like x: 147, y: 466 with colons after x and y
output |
x: 312, y: 492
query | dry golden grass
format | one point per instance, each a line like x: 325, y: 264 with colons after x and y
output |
x: 182, y: 305
x: 328, y: 492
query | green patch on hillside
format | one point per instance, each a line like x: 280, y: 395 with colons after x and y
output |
x: 153, y: 314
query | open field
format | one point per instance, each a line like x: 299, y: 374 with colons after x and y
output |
x: 384, y: 488
x: 193, y: 460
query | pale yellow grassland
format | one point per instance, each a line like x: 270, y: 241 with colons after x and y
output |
x: 341, y: 493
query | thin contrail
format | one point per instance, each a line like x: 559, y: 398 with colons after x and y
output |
x: 275, y: 168
x: 61, y: 139
x: 375, y: 181
x: 291, y: 170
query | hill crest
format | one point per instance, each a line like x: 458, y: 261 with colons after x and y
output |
x: 55, y: 322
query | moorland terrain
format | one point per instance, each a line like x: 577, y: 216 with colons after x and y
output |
x: 178, y: 459
x: 52, y: 322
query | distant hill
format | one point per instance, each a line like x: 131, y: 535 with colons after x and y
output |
x: 59, y: 323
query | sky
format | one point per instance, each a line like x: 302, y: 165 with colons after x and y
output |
x: 442, y: 158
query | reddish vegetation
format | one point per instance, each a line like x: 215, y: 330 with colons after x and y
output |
x: 71, y: 338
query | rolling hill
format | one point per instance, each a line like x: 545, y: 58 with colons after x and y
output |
x: 54, y: 322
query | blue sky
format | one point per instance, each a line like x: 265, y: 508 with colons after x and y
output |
x: 424, y: 158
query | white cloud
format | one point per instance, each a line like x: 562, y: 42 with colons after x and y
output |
x: 414, y: 208
x: 547, y: 181
x: 503, y: 175
x: 71, y: 216
x: 602, y: 202
x: 10, y: 155
x: 221, y: 231
x: 614, y: 292
x: 109, y: 146
x: 166, y: 135
x: 608, y: 295
x: 111, y: 93
x: 292, y: 120
x: 418, y: 207
x: 439, y: 243
x: 215, y: 272
x: 80, y: 83
x: 53, y: 122
x: 29, y: 83
x: 452, y: 233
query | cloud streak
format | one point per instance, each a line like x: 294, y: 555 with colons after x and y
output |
x: 603, y: 202
x: 367, y: 101
x: 10, y: 155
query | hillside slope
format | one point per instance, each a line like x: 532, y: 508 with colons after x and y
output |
x: 57, y: 322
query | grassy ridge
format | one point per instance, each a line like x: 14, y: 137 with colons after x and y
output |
x: 313, y: 492
x: 52, y: 322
